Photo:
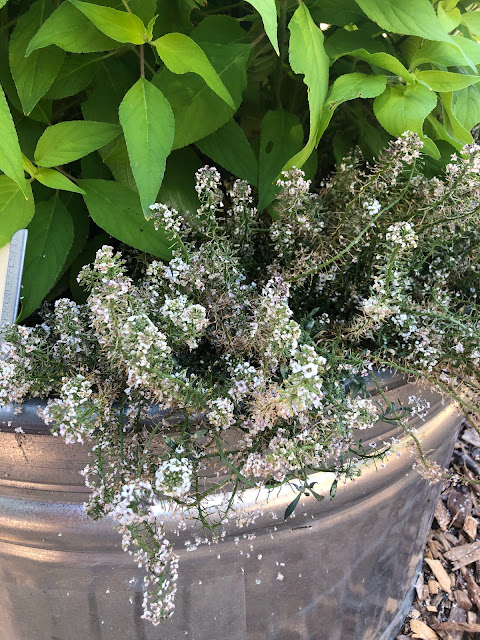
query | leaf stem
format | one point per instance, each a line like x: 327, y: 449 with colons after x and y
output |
x: 212, y: 12
x: 142, y: 62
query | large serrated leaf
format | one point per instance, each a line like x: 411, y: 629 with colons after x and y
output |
x: 408, y: 17
x: 144, y: 9
x: 230, y: 148
x: 68, y: 141
x: 471, y: 19
x: 404, y: 108
x: 337, y: 12
x: 197, y: 109
x: 70, y: 30
x: 360, y: 45
x: 448, y: 54
x: 77, y: 72
x: 148, y: 126
x: 181, y: 54
x: 118, y: 211
x: 452, y: 124
x: 110, y: 85
x: 466, y: 107
x: 34, y: 75
x: 115, y: 156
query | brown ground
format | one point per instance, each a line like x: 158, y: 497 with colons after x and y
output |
x: 447, y: 600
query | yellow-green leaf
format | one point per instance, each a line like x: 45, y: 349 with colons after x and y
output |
x: 471, y: 19
x: 308, y: 57
x: 466, y: 107
x: 449, y: 18
x: 118, y: 25
x: 15, y: 210
x: 446, y: 81
x: 349, y: 87
x: 458, y: 52
x: 72, y: 31
x: 404, y: 108
x: 409, y: 17
x: 181, y: 54
x: 268, y: 11
x: 56, y: 180
x: 11, y: 162
x: 452, y: 125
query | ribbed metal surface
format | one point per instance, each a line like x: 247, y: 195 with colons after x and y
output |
x: 340, y: 570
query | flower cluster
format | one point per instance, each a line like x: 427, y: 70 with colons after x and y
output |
x: 249, y: 351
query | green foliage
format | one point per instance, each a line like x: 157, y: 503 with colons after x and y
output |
x: 68, y: 141
x: 181, y: 54
x: 10, y: 154
x: 229, y: 148
x: 33, y: 76
x: 281, y: 137
x: 15, y: 210
x: 111, y: 89
x: 118, y: 25
x: 55, y: 180
x: 268, y: 10
x: 148, y: 125
x: 70, y: 30
x: 410, y: 17
x: 307, y: 56
x: 129, y: 224
x: 50, y: 236
x: 446, y: 81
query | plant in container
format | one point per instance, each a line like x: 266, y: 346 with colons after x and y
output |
x: 225, y: 354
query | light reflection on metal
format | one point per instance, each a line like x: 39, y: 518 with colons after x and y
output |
x: 343, y: 571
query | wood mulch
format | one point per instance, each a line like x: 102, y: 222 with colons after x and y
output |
x: 447, y: 593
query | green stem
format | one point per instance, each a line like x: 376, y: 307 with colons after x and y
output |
x: 224, y: 458
x: 390, y: 270
x: 149, y: 442
x: 142, y: 62
x: 319, y: 267
x: 434, y: 381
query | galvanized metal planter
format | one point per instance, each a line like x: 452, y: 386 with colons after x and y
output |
x: 340, y: 570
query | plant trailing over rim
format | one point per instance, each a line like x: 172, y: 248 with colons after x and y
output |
x: 257, y: 337
x: 103, y: 103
